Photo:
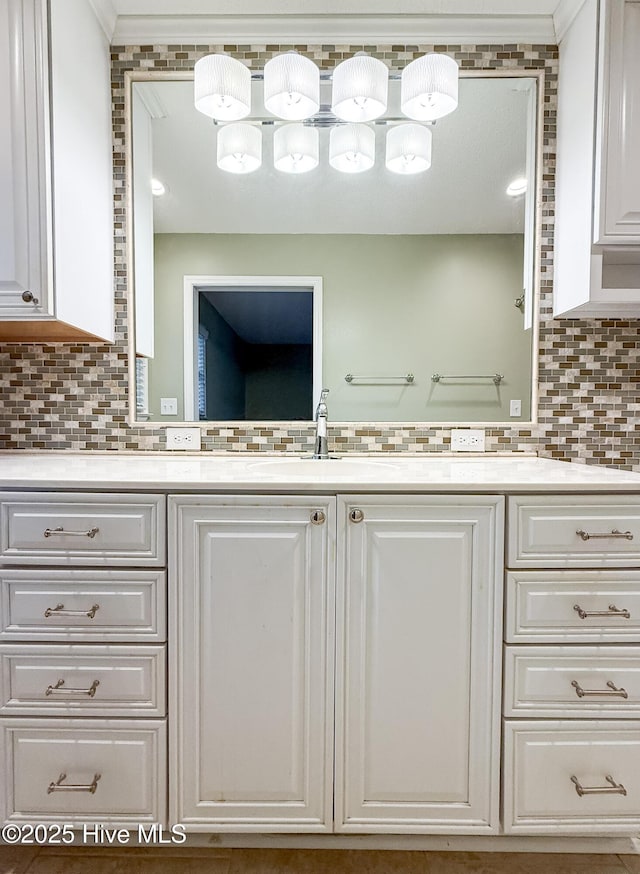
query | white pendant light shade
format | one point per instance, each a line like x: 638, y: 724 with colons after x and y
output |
x: 222, y: 87
x: 429, y: 88
x: 291, y: 87
x: 296, y: 148
x: 239, y: 148
x: 352, y: 148
x: 408, y: 149
x: 359, y: 91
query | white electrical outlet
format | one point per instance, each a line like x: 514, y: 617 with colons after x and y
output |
x: 183, y: 438
x: 168, y: 406
x: 467, y: 440
x: 515, y: 408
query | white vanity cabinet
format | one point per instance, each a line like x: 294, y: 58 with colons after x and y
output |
x: 418, y: 665
x: 416, y: 722
x: 83, y: 658
x: 572, y: 764
x: 597, y: 237
x: 56, y: 189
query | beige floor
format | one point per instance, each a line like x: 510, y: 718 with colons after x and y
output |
x: 22, y: 860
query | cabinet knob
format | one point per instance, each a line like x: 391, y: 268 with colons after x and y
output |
x: 27, y: 297
x: 318, y: 517
x: 356, y: 515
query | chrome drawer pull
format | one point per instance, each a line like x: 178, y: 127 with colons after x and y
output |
x: 615, y: 533
x: 58, y: 690
x: 612, y: 610
x: 612, y: 690
x: 613, y: 789
x: 50, y: 532
x: 59, y: 610
x: 60, y: 786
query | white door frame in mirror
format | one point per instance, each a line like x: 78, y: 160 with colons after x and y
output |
x: 193, y: 285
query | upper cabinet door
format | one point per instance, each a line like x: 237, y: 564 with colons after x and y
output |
x: 56, y: 173
x: 617, y: 217
x: 418, y: 664
x: 252, y: 616
x: 25, y: 232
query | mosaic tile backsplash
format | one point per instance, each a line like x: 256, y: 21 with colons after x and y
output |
x: 74, y: 397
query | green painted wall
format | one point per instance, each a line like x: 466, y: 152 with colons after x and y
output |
x: 392, y: 305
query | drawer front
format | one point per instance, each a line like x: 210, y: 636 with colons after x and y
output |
x: 121, y: 771
x: 540, y: 760
x: 573, y: 606
x: 572, y: 681
x: 77, y: 680
x: 575, y: 531
x: 83, y: 605
x: 82, y: 529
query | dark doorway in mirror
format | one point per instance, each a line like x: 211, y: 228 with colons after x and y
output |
x: 255, y: 354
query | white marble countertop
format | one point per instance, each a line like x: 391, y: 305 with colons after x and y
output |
x: 263, y: 473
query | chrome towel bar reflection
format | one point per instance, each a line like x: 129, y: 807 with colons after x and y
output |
x: 407, y: 378
x: 496, y: 377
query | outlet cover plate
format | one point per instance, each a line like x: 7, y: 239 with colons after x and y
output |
x: 183, y: 438
x: 467, y: 440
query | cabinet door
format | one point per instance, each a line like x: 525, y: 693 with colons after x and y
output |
x: 618, y: 216
x: 24, y: 161
x: 252, y: 610
x: 418, y: 664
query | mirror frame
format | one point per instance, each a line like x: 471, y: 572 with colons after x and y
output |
x: 133, y: 76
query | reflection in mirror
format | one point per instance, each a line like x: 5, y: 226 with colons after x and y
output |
x: 425, y: 275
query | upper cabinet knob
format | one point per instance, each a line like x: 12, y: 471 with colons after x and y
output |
x: 27, y: 297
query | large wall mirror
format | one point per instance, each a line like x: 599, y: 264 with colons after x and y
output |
x: 410, y: 297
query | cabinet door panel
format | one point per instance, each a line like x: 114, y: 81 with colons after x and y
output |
x: 417, y: 664
x: 618, y: 220
x: 255, y: 670
x: 24, y: 175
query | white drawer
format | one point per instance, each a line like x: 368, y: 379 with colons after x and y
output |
x: 124, y: 765
x: 82, y: 529
x: 573, y: 531
x: 82, y: 605
x: 573, y: 606
x: 542, y: 757
x: 572, y: 681
x: 77, y: 680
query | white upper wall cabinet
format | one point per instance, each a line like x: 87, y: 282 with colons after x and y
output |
x: 597, y: 239
x: 56, y: 178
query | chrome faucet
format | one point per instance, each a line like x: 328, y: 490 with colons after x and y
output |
x: 321, y: 446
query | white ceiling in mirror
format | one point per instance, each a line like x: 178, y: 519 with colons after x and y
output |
x: 464, y: 191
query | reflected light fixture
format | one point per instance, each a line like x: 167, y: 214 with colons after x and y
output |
x: 429, y: 87
x: 408, y: 149
x: 157, y: 188
x: 359, y: 91
x: 352, y: 148
x: 517, y: 187
x: 296, y: 148
x: 291, y: 87
x: 239, y: 148
x: 222, y: 87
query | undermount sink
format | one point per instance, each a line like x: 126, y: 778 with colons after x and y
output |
x: 323, y: 466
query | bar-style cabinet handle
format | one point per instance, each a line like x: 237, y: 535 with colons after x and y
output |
x: 612, y: 789
x: 584, y: 535
x: 611, y: 690
x: 59, y: 690
x: 612, y: 610
x: 60, y: 531
x: 60, y: 786
x: 59, y: 610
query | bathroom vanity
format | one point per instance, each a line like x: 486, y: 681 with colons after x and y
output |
x: 333, y: 640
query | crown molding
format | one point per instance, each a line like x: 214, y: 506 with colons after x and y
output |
x: 563, y: 17
x: 106, y: 14
x: 336, y: 29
